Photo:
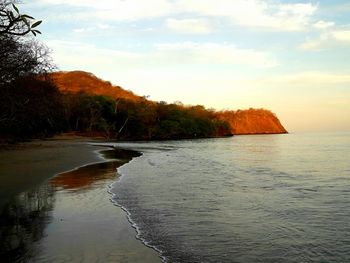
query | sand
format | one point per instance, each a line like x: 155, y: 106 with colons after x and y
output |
x: 50, y: 216
x: 25, y: 165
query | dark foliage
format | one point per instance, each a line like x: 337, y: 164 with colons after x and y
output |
x: 90, y: 113
x: 19, y: 58
x: 30, y: 107
x: 145, y: 120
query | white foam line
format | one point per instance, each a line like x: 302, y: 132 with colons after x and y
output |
x: 128, y: 214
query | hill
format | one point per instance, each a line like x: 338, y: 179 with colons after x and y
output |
x: 80, y: 81
x: 252, y: 121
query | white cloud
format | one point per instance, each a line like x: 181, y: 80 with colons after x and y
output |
x: 165, y: 55
x: 311, y: 45
x: 255, y: 13
x: 192, y: 26
x: 77, y: 55
x: 333, y: 38
x: 267, y: 14
x: 323, y: 24
x: 112, y: 10
x: 212, y: 53
x: 92, y: 28
x: 341, y: 36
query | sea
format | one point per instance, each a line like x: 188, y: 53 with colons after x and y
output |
x: 259, y: 198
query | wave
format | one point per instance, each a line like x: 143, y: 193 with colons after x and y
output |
x: 114, y: 200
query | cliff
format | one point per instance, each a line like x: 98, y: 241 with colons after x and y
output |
x: 252, y: 121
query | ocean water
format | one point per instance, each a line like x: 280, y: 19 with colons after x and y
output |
x: 269, y: 198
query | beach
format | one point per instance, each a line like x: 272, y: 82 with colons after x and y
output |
x: 55, y: 204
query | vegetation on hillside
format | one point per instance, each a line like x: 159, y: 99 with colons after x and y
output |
x: 252, y: 121
x: 139, y: 120
x: 80, y: 81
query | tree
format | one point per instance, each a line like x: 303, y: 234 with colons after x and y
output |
x: 12, y: 22
x: 31, y: 107
x: 19, y: 58
x: 91, y: 113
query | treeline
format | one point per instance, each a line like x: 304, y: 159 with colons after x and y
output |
x: 142, y: 120
x: 32, y: 107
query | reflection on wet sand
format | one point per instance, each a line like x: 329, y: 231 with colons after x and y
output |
x: 73, y: 206
x: 22, y: 222
x: 93, y: 175
x: 86, y: 177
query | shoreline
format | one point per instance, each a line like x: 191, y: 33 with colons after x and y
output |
x: 127, y: 212
x: 111, y: 232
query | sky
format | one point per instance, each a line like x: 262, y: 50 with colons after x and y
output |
x: 291, y: 57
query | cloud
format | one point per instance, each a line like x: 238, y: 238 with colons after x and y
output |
x: 314, y: 44
x: 213, y: 53
x: 78, y: 55
x: 163, y: 55
x: 189, y: 26
x: 111, y: 10
x: 323, y: 24
x: 266, y: 14
x: 329, y: 39
x: 98, y: 27
x: 341, y: 36
x: 255, y: 13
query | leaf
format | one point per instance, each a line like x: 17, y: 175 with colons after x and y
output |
x: 16, y: 9
x: 33, y: 33
x: 11, y: 16
x: 37, y: 23
x: 37, y: 31
x: 25, y: 21
x: 26, y: 16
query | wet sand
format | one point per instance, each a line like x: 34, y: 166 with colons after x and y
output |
x: 25, y: 165
x: 68, y: 217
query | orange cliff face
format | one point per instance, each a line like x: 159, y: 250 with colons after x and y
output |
x: 252, y: 121
x: 80, y: 81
